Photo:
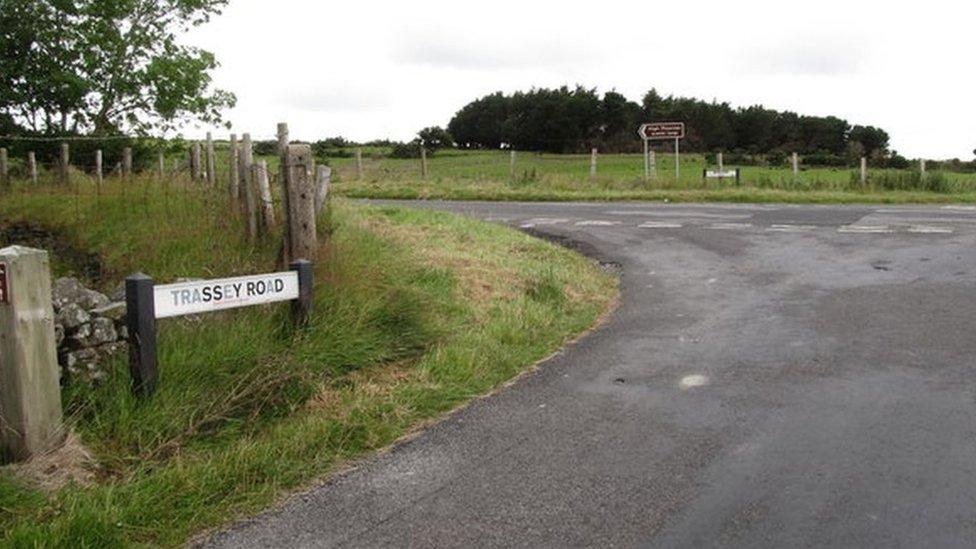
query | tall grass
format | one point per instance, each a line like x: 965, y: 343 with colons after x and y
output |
x: 415, y: 312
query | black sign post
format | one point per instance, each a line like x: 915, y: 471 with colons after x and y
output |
x: 301, y: 308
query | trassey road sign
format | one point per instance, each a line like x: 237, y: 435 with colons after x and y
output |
x: 662, y: 130
x: 203, y: 296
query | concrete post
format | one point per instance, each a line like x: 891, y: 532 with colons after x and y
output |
x: 922, y: 168
x: 721, y: 163
x: 233, y: 185
x: 593, y: 153
x: 285, y: 204
x: 211, y: 166
x: 652, y: 163
x: 795, y: 162
x: 161, y: 165
x: 32, y: 167
x: 511, y: 165
x: 301, y: 203
x: 864, y: 170
x: 247, y: 187
x: 423, y: 161
x: 359, y: 163
x: 65, y: 164
x: 195, y: 168
x: 98, y: 171
x: 30, y: 392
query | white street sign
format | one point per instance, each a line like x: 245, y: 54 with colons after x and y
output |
x: 720, y: 173
x: 203, y: 296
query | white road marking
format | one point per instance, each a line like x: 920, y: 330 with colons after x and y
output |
x: 650, y: 213
x: 659, y: 225
x: 865, y: 229
x: 928, y: 229
x: 960, y: 208
x: 692, y: 381
x: 728, y: 226
x: 791, y: 228
x: 543, y: 221
x: 597, y: 223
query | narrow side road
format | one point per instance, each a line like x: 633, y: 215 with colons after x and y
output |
x: 776, y: 376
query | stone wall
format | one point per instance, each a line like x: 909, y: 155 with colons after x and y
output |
x: 89, y: 327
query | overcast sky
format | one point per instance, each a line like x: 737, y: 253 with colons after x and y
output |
x: 377, y: 69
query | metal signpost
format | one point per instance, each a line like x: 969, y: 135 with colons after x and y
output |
x: 658, y: 131
x: 146, y: 302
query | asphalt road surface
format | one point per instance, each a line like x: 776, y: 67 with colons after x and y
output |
x: 776, y: 376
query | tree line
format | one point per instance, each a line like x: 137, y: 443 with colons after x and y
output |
x: 573, y: 120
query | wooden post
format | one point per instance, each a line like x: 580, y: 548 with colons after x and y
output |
x: 721, y: 164
x: 864, y: 170
x: 922, y: 168
x: 359, y: 163
x: 301, y: 203
x: 233, y: 185
x: 30, y: 392
x: 247, y: 187
x: 285, y: 203
x: 141, y: 324
x: 98, y: 171
x: 423, y: 160
x: 211, y: 167
x: 4, y: 169
x: 65, y: 164
x: 127, y: 162
x: 195, y: 168
x: 32, y: 167
x: 652, y: 162
x: 511, y: 165
x: 593, y: 162
x: 264, y: 189
x: 795, y: 161
x: 161, y: 165
x: 323, y: 178
x: 301, y: 308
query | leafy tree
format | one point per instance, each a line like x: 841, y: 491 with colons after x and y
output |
x: 873, y: 140
x: 435, y: 138
x: 105, y: 66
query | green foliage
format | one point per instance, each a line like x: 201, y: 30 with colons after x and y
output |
x: 105, y: 66
x: 435, y: 138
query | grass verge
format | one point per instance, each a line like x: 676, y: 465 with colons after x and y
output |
x: 415, y: 314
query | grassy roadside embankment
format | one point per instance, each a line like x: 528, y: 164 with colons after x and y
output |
x: 415, y: 314
x: 485, y: 175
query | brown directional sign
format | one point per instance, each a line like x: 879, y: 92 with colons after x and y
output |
x: 662, y: 130
x: 4, y: 294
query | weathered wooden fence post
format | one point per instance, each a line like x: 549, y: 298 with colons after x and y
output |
x: 141, y: 323
x: 195, y: 167
x: 285, y: 204
x: 247, y: 187
x: 721, y: 163
x: 260, y: 178
x: 323, y: 178
x: 98, y: 172
x: 301, y: 203
x: 127, y: 163
x: 359, y: 162
x: 233, y: 182
x: 511, y: 165
x: 423, y: 160
x: 65, y: 164
x: 211, y: 166
x: 32, y: 167
x: 30, y: 392
x: 4, y: 169
x: 921, y: 168
x: 864, y: 170
x: 161, y: 165
x: 593, y: 154
x: 795, y: 161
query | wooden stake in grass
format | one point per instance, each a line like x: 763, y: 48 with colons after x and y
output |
x: 864, y: 170
x: 795, y: 161
x: 511, y: 165
x: 195, y: 162
x: 32, y: 167
x: 323, y: 178
x: 64, y: 164
x: 423, y: 160
x: 359, y: 163
x: 301, y: 203
x: 98, y: 172
x: 211, y: 167
x: 161, y: 165
x: 921, y: 167
x: 30, y: 392
x: 593, y: 162
x: 127, y: 162
x: 233, y: 182
x: 4, y: 173
x: 247, y: 187
x: 264, y: 189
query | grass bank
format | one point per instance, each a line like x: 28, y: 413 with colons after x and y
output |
x: 415, y: 314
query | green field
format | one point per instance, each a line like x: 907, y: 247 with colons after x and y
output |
x: 415, y: 314
x: 486, y: 175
